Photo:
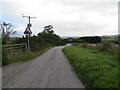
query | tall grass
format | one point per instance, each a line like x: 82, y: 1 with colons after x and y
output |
x: 96, y: 69
x: 21, y: 57
x: 103, y: 46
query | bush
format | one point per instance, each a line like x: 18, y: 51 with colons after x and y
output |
x: 84, y: 45
x: 103, y: 46
x: 108, y: 46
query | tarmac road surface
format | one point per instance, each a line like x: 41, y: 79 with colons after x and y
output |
x: 50, y: 70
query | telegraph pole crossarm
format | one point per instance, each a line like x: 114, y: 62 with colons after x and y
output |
x: 29, y: 17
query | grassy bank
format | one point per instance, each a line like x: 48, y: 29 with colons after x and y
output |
x: 23, y: 57
x: 106, y: 46
x: 95, y: 68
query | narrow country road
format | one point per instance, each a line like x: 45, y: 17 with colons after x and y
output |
x: 50, y: 70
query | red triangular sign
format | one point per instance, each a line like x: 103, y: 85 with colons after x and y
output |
x: 27, y: 31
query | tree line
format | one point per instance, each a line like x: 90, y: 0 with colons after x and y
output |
x: 44, y: 39
x: 90, y: 39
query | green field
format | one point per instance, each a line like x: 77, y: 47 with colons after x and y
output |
x: 96, y: 69
x: 110, y: 37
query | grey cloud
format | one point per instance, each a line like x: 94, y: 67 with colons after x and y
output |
x: 93, y: 6
x: 80, y: 28
x: 65, y: 28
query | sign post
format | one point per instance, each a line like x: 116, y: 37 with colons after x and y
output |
x: 28, y: 31
x: 28, y: 42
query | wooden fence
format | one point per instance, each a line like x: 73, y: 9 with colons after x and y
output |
x: 15, y: 48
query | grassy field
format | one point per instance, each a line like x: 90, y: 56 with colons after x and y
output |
x: 96, y: 69
x: 110, y: 37
x: 23, y: 57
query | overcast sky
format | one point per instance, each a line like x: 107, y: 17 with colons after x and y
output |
x: 68, y: 17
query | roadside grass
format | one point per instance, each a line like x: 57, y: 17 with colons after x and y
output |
x: 96, y: 69
x: 24, y: 57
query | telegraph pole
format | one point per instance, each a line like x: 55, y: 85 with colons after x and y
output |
x: 29, y: 25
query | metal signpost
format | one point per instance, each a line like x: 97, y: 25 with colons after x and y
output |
x: 28, y: 31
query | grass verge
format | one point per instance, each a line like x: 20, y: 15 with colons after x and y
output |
x: 24, y: 57
x: 96, y: 69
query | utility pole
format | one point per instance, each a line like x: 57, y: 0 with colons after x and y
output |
x: 29, y: 25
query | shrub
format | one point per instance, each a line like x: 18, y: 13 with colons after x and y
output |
x: 103, y: 46
x: 108, y: 46
x: 84, y: 45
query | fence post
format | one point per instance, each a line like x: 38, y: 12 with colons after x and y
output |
x: 26, y: 47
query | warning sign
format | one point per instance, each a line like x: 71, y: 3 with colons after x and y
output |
x: 28, y: 31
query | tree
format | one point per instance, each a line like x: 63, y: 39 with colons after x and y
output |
x: 44, y: 39
x: 89, y: 39
x: 7, y: 30
x: 48, y: 28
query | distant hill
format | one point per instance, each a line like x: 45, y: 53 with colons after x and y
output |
x: 64, y: 37
x: 105, y: 37
x: 110, y: 37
